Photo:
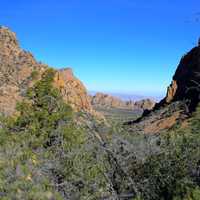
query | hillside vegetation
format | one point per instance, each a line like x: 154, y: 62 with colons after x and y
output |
x: 44, y: 154
x: 55, y: 146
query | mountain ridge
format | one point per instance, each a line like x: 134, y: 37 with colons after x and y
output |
x: 185, y: 82
x: 16, y: 69
x: 109, y: 101
x: 181, y: 99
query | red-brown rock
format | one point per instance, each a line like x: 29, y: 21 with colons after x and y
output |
x: 186, y: 81
x: 16, y: 68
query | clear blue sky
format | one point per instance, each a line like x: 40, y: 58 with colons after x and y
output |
x: 112, y: 45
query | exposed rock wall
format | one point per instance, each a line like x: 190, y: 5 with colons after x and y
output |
x: 186, y: 81
x: 72, y: 90
x: 108, y: 101
x: 16, y: 69
x: 181, y: 99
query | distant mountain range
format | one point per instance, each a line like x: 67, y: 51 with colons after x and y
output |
x: 109, y: 101
x: 129, y: 96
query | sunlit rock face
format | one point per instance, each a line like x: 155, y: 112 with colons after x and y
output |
x: 108, y: 101
x: 72, y: 90
x: 16, y: 68
x: 171, y: 91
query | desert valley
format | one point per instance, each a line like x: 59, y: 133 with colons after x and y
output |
x: 58, y: 142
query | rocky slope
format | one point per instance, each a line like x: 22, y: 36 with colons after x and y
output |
x: 18, y: 70
x: 181, y: 99
x: 72, y: 90
x: 108, y: 101
x: 185, y: 85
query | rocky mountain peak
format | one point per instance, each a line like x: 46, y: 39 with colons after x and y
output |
x: 8, y: 38
x: 16, y: 68
x: 72, y: 89
x: 109, y: 101
x: 181, y: 99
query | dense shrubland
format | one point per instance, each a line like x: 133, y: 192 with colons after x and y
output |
x: 174, y: 172
x: 159, y: 167
x: 44, y: 154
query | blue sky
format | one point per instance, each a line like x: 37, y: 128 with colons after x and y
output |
x: 127, y: 46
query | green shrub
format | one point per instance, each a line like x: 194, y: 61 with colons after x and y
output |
x: 172, y: 173
x: 41, y: 149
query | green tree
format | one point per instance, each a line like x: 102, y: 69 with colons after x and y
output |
x: 43, y: 154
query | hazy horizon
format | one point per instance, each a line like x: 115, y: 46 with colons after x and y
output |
x: 133, y: 96
x: 118, y: 46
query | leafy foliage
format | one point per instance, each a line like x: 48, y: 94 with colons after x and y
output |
x: 173, y: 174
x: 43, y: 154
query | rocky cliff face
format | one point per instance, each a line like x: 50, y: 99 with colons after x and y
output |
x: 185, y: 85
x: 181, y: 99
x: 16, y: 75
x: 108, y: 101
x: 72, y: 90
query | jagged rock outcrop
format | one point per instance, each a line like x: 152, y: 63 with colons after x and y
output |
x: 108, y: 101
x: 17, y: 68
x: 181, y: 99
x: 72, y: 90
x: 186, y: 81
